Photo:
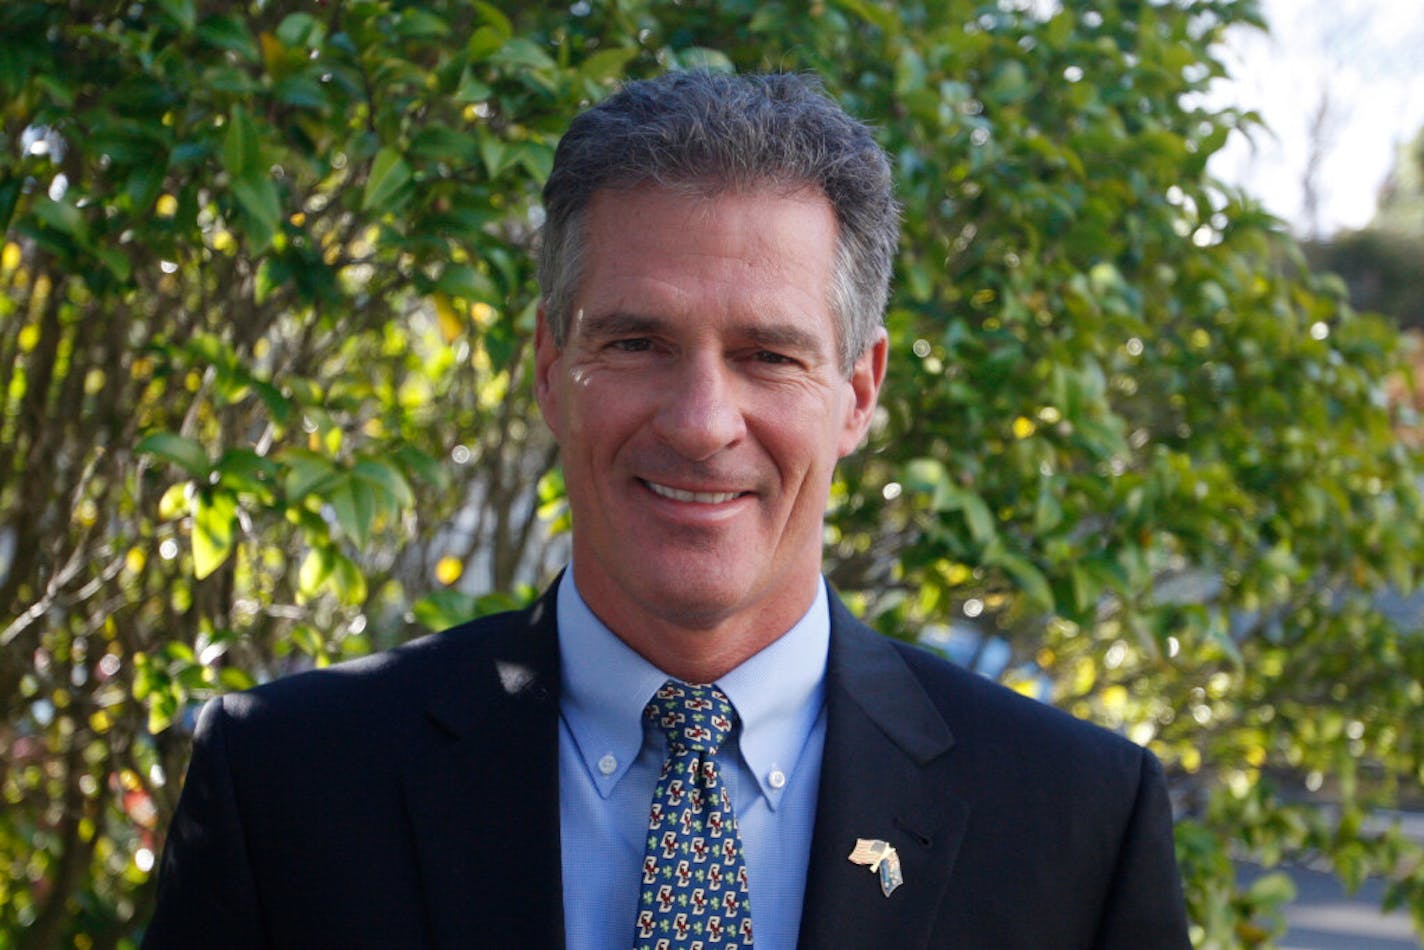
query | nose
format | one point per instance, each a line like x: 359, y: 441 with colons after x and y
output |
x: 700, y: 414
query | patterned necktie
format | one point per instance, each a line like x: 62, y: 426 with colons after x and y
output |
x: 694, y: 877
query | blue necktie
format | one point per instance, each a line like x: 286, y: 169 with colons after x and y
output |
x: 694, y: 876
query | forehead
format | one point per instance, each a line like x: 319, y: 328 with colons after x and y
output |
x: 761, y: 250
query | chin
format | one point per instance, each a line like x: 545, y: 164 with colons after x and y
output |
x: 692, y: 607
x: 696, y: 592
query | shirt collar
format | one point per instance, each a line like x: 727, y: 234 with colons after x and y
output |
x: 778, y: 693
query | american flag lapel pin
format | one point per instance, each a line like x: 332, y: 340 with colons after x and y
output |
x: 881, y: 858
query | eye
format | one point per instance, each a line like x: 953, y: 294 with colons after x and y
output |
x: 772, y: 358
x: 638, y: 344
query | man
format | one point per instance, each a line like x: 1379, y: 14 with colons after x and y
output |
x: 688, y: 741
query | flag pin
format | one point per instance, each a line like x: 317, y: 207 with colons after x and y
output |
x: 881, y: 858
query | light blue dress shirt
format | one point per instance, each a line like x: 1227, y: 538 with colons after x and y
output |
x: 608, y: 767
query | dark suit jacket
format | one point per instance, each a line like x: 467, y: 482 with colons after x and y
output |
x: 410, y: 799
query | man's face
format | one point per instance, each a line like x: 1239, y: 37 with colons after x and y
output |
x: 699, y: 407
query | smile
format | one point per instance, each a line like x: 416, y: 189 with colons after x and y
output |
x: 700, y: 497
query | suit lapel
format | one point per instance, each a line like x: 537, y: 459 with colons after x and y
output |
x: 482, y: 797
x: 883, y: 775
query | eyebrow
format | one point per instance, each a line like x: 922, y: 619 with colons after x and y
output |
x: 776, y: 335
x: 784, y: 336
x: 618, y: 323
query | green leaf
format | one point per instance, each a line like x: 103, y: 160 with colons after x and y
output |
x: 910, y: 72
x: 422, y: 467
x: 462, y: 280
x: 307, y: 639
x: 1273, y: 890
x: 307, y: 473
x: 389, y: 174
x: 537, y: 159
x: 872, y: 13
x: 186, y: 453
x: 301, y: 91
x: 181, y: 12
x: 258, y: 198
x: 525, y: 54
x: 9, y: 198
x: 1087, y: 587
x: 704, y: 59
x: 301, y: 30
x: 63, y: 217
x: 144, y: 184
x: 484, y: 43
x: 229, y: 31
x: 415, y: 23
x: 471, y: 89
x: 495, y: 18
x: 1010, y: 84
x: 241, y: 153
x: 214, y: 530
x: 233, y: 679
x: 924, y: 475
x: 230, y: 80
x: 162, y: 708
x: 1029, y: 578
x: 982, y: 526
x: 116, y: 262
x: 494, y: 153
x: 276, y: 402
x: 385, y: 478
x: 442, y: 609
x: 441, y: 143
x: 348, y: 582
x: 243, y: 470
x: 929, y: 477
x: 608, y: 64
x: 1047, y: 512
x: 272, y: 274
x: 354, y: 502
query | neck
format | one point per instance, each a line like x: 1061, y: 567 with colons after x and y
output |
x: 701, y: 649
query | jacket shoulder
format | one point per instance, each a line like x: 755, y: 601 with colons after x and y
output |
x: 377, y: 694
x: 985, y: 713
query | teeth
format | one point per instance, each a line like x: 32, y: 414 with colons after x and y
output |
x: 701, y: 497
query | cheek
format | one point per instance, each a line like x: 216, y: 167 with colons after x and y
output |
x: 803, y: 448
x: 598, y: 420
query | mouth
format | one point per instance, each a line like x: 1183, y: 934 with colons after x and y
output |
x: 698, y: 497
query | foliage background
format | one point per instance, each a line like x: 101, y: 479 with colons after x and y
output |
x: 265, y: 304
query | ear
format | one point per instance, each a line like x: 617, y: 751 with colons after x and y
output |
x: 865, y: 379
x: 546, y: 368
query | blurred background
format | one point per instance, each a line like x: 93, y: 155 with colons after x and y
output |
x: 1150, y: 448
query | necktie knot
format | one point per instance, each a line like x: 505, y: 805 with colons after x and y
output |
x: 693, y: 718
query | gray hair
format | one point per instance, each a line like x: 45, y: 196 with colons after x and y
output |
x: 711, y: 132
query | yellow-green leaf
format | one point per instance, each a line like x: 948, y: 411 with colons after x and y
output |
x: 316, y: 568
x: 214, y: 530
